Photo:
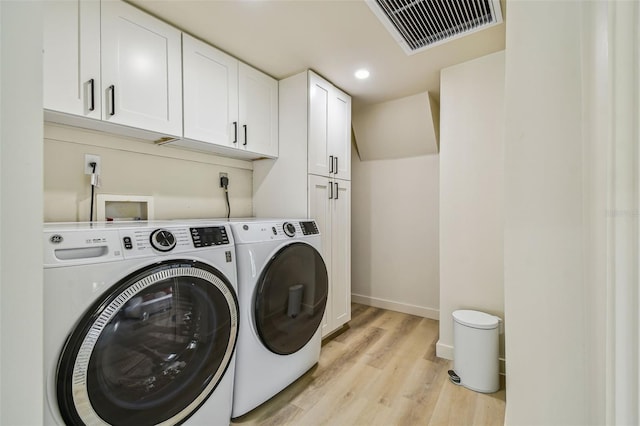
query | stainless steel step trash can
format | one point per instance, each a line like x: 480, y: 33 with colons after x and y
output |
x: 475, y: 350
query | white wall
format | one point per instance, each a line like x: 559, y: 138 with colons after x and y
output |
x: 410, y: 122
x: 21, y: 384
x: 394, y: 234
x: 471, y: 191
x: 183, y: 184
x: 549, y: 309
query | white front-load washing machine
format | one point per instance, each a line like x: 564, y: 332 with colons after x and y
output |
x: 282, y: 291
x: 140, y: 323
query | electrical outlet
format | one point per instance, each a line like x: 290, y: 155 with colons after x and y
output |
x: 222, y: 174
x: 91, y: 158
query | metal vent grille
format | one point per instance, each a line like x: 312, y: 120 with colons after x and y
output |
x: 419, y: 24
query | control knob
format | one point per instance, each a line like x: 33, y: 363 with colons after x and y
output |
x: 162, y: 240
x: 289, y: 229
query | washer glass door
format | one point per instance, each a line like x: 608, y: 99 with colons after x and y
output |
x: 291, y: 297
x: 152, y: 349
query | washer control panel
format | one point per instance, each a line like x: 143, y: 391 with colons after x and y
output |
x: 79, y: 243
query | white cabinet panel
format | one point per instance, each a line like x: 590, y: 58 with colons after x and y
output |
x: 320, y: 210
x: 71, y: 59
x: 319, y: 95
x: 330, y: 206
x: 141, y: 70
x: 210, y: 93
x: 341, y: 253
x: 340, y: 140
x: 258, y: 102
x: 329, y: 129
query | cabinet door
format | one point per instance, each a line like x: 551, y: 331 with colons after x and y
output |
x: 71, y: 59
x: 318, y: 138
x: 210, y: 93
x: 340, y: 139
x: 258, y: 105
x: 141, y: 70
x: 341, y: 253
x: 319, y: 209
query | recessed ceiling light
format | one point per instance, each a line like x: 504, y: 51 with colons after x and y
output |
x: 362, y: 74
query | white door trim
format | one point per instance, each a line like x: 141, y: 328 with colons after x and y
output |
x: 623, y: 375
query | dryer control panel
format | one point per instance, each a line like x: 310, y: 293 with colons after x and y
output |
x: 272, y: 230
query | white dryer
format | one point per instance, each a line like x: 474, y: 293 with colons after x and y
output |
x: 140, y: 323
x: 282, y: 291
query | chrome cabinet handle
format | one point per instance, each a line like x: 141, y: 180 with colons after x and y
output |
x: 245, y: 134
x: 336, y: 183
x: 331, y: 164
x: 330, y: 191
x: 235, y: 132
x: 335, y: 169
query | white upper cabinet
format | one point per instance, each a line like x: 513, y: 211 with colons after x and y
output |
x: 112, y: 62
x: 141, y: 70
x: 71, y: 60
x: 210, y: 93
x: 258, y: 102
x: 329, y: 130
x: 227, y: 103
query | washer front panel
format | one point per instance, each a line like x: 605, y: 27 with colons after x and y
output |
x: 152, y: 350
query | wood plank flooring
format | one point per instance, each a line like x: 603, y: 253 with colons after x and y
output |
x: 381, y: 370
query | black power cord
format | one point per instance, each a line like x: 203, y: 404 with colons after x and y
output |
x: 224, y: 182
x: 93, y: 187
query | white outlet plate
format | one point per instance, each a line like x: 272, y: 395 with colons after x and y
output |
x: 91, y: 158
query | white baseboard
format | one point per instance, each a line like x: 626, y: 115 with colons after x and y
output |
x: 405, y: 308
x: 444, y: 351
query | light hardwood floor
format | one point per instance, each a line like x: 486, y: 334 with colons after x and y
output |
x: 381, y: 370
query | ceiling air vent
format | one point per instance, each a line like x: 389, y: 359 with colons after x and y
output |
x: 420, y: 24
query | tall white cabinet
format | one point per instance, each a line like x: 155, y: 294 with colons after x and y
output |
x: 311, y: 177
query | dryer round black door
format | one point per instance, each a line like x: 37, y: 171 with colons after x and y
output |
x: 152, y: 349
x: 291, y: 297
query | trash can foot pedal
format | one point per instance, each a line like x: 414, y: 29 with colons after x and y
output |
x: 455, y: 379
